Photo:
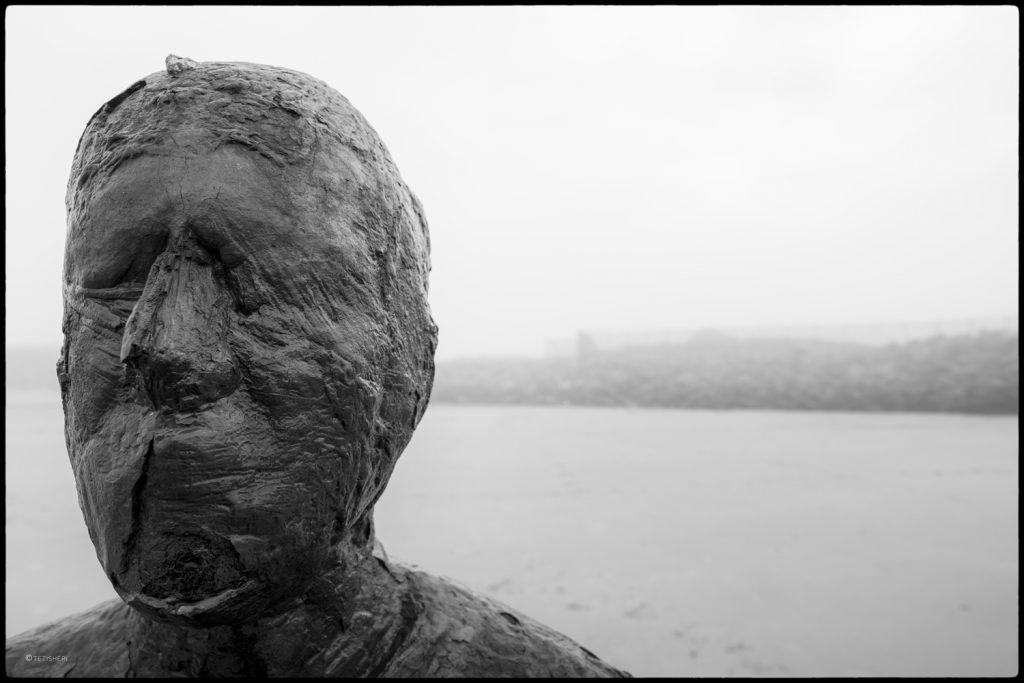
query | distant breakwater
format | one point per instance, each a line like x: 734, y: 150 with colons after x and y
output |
x: 970, y: 373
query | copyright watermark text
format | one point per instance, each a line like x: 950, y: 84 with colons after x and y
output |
x: 46, y: 658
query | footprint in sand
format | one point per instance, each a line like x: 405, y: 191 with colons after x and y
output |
x: 635, y: 611
x: 756, y: 667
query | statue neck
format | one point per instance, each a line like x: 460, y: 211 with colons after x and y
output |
x: 349, y: 622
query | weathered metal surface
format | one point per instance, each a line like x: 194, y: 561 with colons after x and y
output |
x: 247, y: 351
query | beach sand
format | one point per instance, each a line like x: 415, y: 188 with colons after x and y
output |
x: 674, y: 543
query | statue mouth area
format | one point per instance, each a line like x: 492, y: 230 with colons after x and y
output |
x: 171, y: 607
x: 192, y: 567
x: 195, y: 578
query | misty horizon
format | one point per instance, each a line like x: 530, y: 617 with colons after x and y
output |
x: 869, y: 333
x: 872, y: 332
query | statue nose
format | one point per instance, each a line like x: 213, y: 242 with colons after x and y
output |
x: 176, y: 339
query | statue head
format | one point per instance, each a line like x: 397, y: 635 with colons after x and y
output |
x: 247, y: 341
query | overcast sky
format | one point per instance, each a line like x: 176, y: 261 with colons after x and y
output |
x: 603, y: 168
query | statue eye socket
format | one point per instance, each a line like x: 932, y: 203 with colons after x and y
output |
x: 120, y: 292
x: 105, y: 309
x: 118, y: 263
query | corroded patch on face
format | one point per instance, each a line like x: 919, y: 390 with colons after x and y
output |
x: 190, y: 567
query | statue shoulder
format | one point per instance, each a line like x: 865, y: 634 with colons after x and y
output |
x: 90, y: 643
x: 460, y: 633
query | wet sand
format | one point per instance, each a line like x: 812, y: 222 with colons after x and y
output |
x: 676, y: 543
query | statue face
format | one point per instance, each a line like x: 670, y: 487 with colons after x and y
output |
x: 229, y: 375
